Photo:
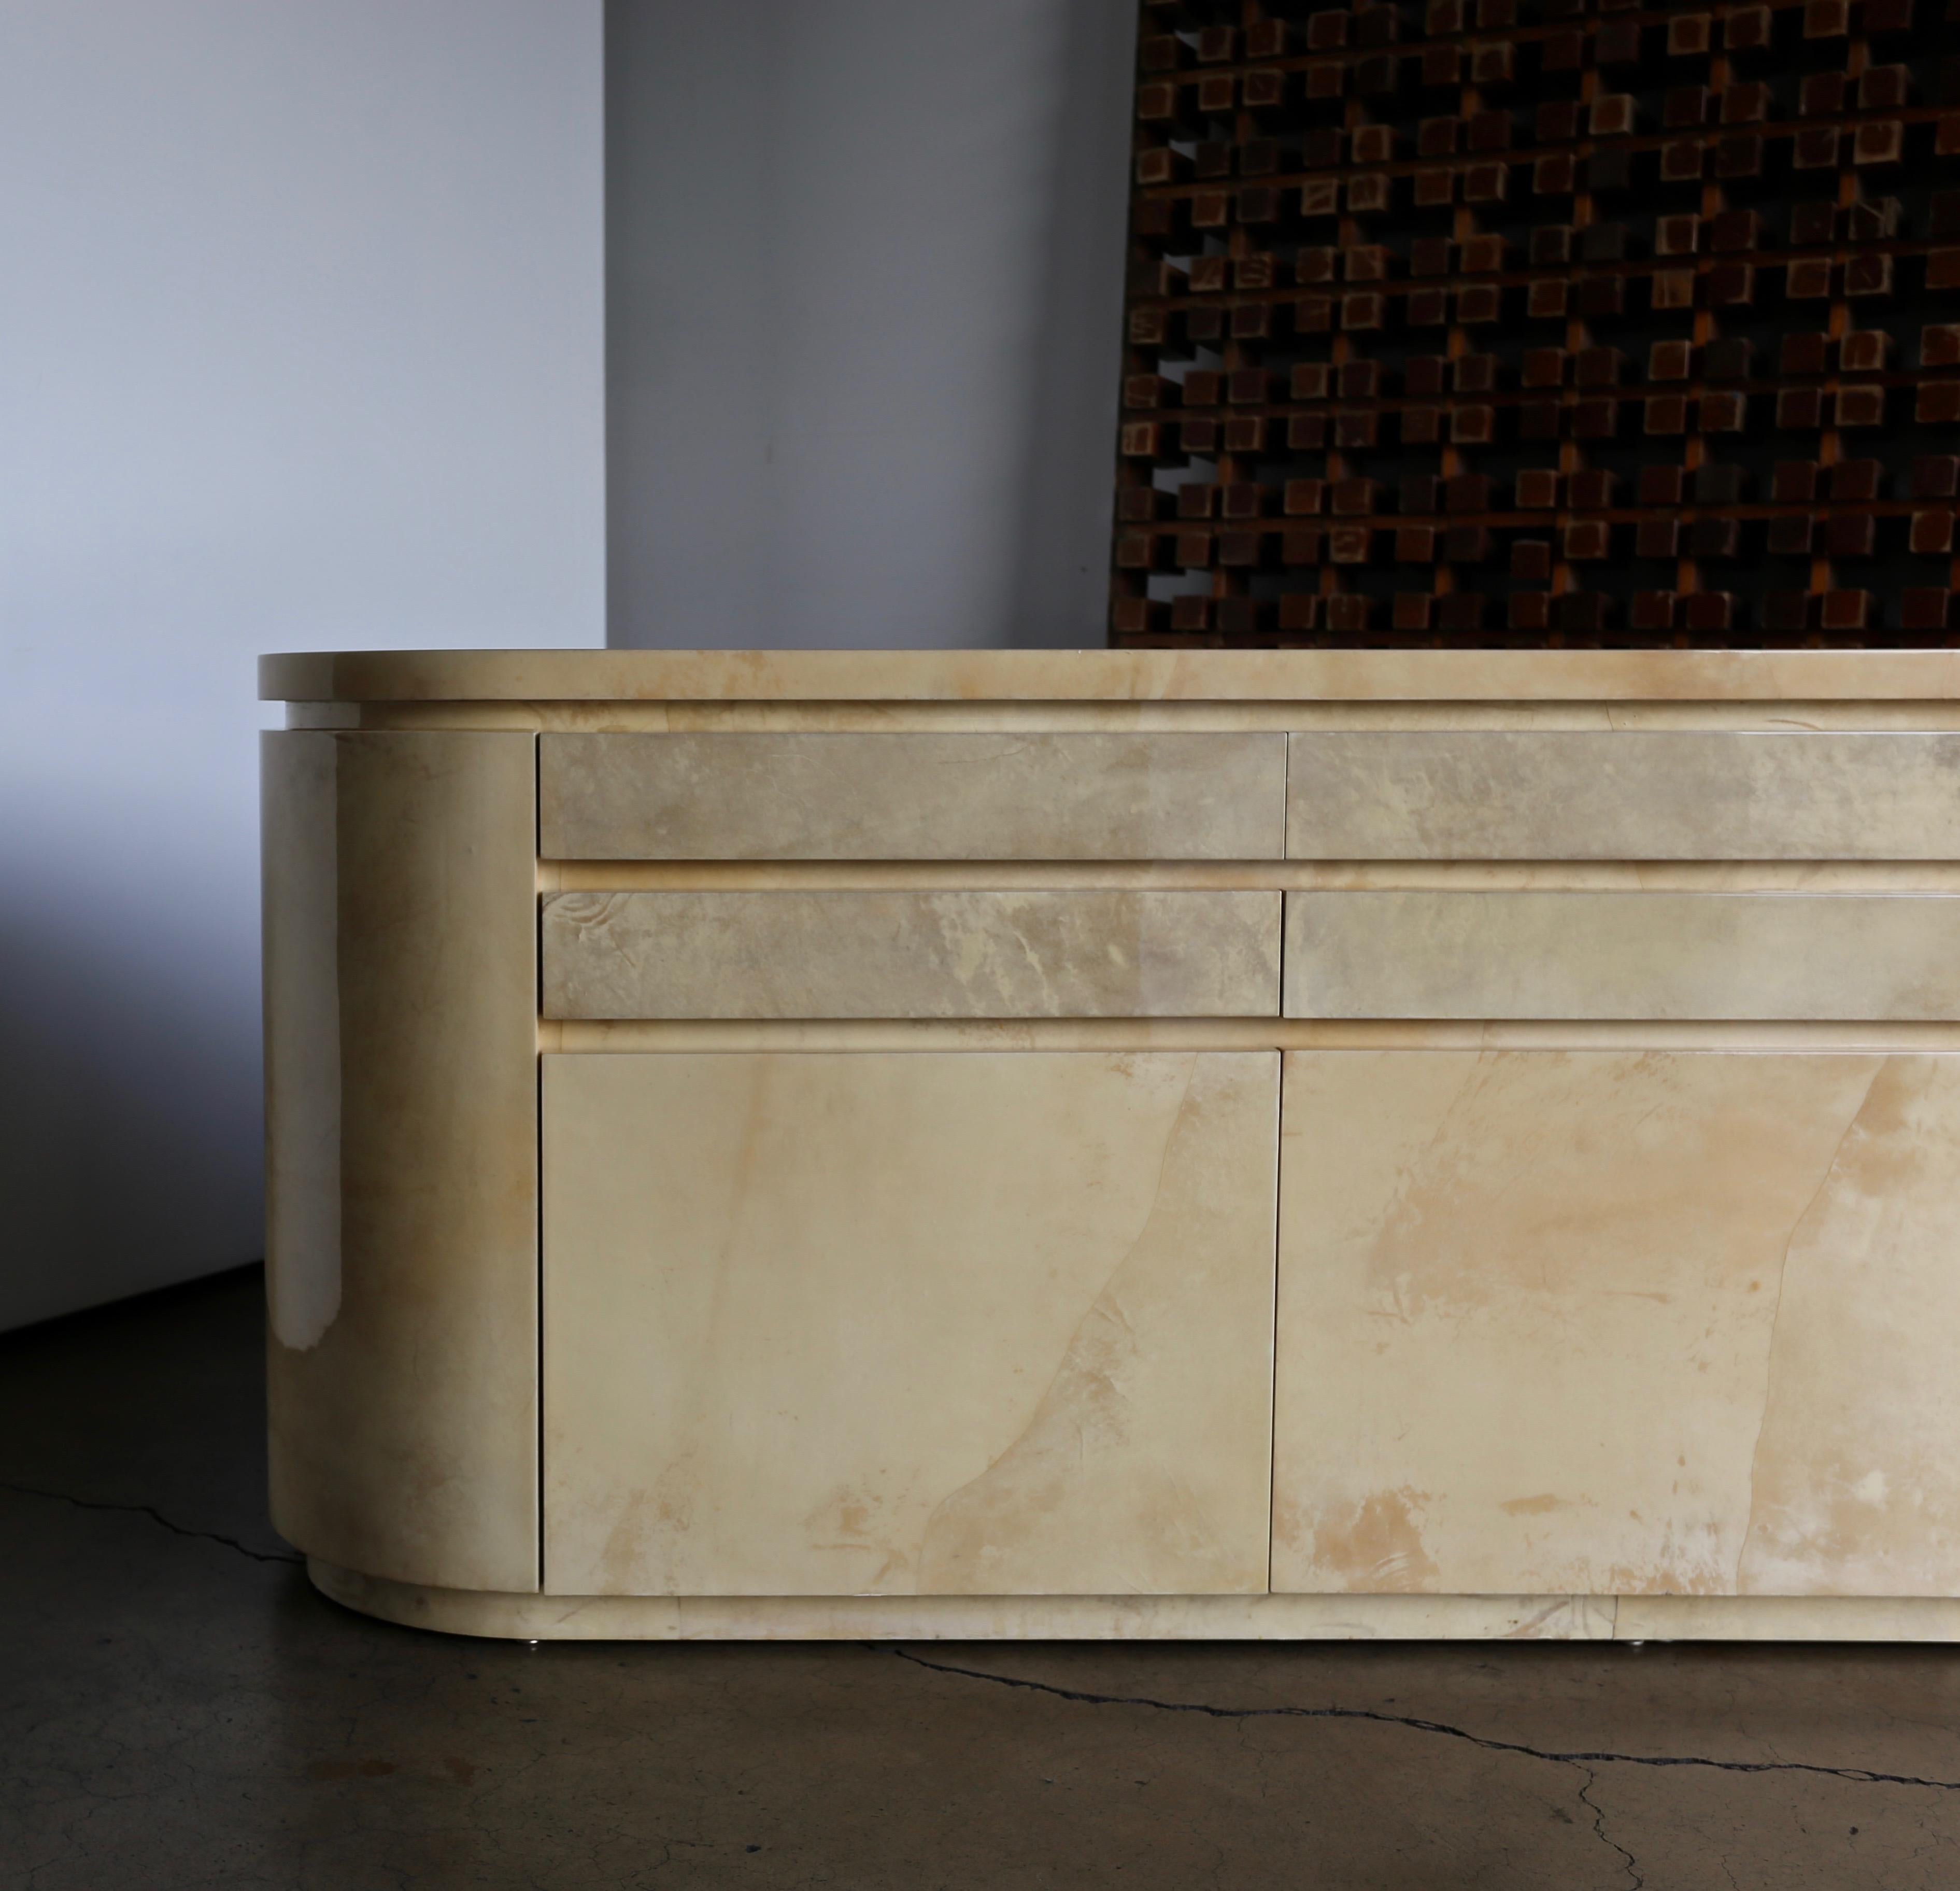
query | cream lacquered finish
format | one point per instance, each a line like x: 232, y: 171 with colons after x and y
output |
x: 1255, y: 1144
x: 401, y: 962
x: 932, y: 1323
x: 1638, y: 1321
x: 1777, y: 794
x: 1425, y: 953
x: 876, y: 954
x: 893, y: 796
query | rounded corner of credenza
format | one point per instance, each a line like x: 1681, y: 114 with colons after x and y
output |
x: 483, y: 1615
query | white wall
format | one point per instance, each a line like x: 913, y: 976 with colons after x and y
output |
x: 300, y: 313
x: 863, y: 304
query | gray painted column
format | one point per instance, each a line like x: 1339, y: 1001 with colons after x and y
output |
x: 864, y: 304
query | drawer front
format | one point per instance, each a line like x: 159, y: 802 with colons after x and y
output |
x: 1639, y: 795
x: 923, y: 955
x: 1630, y: 1322
x: 929, y: 1323
x: 955, y: 797
x: 1427, y: 954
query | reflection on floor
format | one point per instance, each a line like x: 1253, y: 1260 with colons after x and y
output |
x: 179, y: 1711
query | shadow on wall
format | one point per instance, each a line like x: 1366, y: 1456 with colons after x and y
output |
x: 130, y: 1114
x: 1067, y: 485
x: 302, y: 352
x: 865, y: 302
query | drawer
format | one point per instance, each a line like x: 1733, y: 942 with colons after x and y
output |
x: 1635, y: 794
x: 909, y: 796
x: 925, y: 955
x: 1428, y: 954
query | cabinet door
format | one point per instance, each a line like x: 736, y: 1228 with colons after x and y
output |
x: 1618, y: 1322
x: 920, y: 1323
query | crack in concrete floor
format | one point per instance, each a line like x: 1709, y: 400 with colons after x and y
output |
x: 1584, y: 1763
x: 155, y: 1517
x: 1599, y: 1831
x: 1860, y: 1775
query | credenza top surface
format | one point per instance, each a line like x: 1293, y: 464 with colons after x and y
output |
x: 1110, y: 675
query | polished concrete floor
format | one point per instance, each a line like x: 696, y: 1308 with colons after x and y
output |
x: 178, y: 1710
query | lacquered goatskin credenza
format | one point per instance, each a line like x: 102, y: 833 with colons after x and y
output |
x: 1276, y: 1144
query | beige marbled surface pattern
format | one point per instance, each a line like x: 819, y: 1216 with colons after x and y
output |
x: 1430, y: 953
x: 1857, y: 1484
x: 921, y: 955
x: 937, y: 1323
x: 402, y: 1120
x: 1194, y: 676
x: 1631, y: 794
x: 912, y: 797
x: 1617, y: 1323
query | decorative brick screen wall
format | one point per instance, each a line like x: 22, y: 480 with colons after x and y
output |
x: 1543, y: 322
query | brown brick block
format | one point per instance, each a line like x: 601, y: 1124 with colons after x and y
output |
x: 1657, y: 538
x: 1931, y: 534
x: 1529, y: 611
x: 1938, y: 404
x: 1460, y: 614
x: 1926, y: 611
x: 1849, y: 535
x: 1856, y: 482
x: 1347, y: 613
x: 1531, y: 561
x: 1651, y: 614
x: 1845, y: 610
x: 1709, y: 613
x: 1934, y: 476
